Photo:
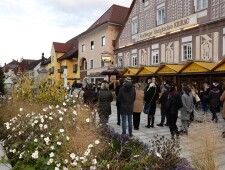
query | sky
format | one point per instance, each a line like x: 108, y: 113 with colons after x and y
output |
x: 28, y: 27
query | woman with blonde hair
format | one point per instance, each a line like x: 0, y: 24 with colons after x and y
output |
x: 105, y: 98
x: 138, y: 106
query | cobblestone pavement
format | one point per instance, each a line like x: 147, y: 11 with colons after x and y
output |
x: 189, y: 143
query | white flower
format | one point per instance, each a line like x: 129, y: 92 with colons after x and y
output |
x: 47, y: 140
x: 35, y: 140
x: 94, y: 161
x: 75, y: 112
x: 73, y: 101
x: 51, y: 154
x: 59, y: 143
x: 72, y: 156
x: 56, y: 168
x: 67, y: 138
x: 66, y: 161
x: 7, y: 125
x: 50, y: 107
x: 61, y: 118
x: 65, y: 168
x: 158, y: 154
x: 74, y: 163
x: 52, y: 147
x: 97, y: 142
x: 50, y: 161
x: 50, y: 118
x: 44, y: 110
x: 41, y: 136
x: 64, y: 110
x: 90, y: 146
x: 88, y: 120
x: 42, y: 120
x: 64, y: 104
x: 35, y: 155
x: 45, y: 126
x: 61, y: 130
x: 21, y: 155
x: 58, y: 165
x: 36, y: 121
x: 21, y: 109
x: 107, y: 166
x: 93, y: 167
x: 41, y: 126
x: 135, y: 156
x: 32, y: 124
x: 57, y: 107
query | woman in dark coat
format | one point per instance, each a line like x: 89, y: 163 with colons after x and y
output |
x: 174, y: 103
x: 150, y: 97
x: 105, y: 98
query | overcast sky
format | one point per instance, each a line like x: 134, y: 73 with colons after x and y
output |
x: 28, y: 27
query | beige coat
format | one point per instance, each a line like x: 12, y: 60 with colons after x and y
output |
x: 222, y: 98
x: 138, y: 103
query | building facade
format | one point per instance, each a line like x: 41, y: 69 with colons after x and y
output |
x: 100, y: 39
x: 172, y: 32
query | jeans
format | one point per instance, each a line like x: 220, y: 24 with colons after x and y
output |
x: 163, y: 116
x: 214, y: 111
x: 205, y: 106
x: 124, y: 123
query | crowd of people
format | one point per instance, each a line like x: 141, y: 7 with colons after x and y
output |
x: 133, y: 99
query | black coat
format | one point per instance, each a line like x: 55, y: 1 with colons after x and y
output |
x: 126, y: 98
x: 104, y: 102
x: 90, y: 97
x: 163, y: 99
x: 174, y: 103
x: 151, y: 96
x: 214, y: 98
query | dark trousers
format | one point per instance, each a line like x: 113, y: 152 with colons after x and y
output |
x: 136, y: 120
x: 163, y: 116
x: 118, y: 114
x: 172, y: 120
x: 214, y: 111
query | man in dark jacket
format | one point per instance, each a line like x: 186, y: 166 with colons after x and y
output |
x: 126, y: 98
x: 163, y: 100
x: 174, y: 103
x: 118, y: 86
x: 214, y: 102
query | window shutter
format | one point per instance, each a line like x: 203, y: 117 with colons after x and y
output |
x: 75, y: 66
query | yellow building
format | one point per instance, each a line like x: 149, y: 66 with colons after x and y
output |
x: 63, y: 65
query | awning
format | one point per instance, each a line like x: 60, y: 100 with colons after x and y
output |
x: 113, y: 71
x: 169, y: 69
x: 220, y: 66
x: 143, y: 71
x: 130, y: 71
x: 197, y: 67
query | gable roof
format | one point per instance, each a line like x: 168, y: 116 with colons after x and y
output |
x: 61, y: 47
x: 115, y: 14
x: 72, y: 51
x: 34, y: 64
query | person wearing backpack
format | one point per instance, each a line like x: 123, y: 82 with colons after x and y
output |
x: 174, y: 103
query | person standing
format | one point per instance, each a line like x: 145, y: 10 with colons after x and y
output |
x: 204, y: 97
x: 187, y: 108
x: 150, y: 97
x: 163, y: 100
x: 118, y: 86
x: 105, y: 98
x: 138, y: 106
x: 126, y: 98
x: 90, y: 96
x: 173, y: 105
x: 214, y: 102
x: 222, y: 99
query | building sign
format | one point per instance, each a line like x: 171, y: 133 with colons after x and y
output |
x: 167, y: 28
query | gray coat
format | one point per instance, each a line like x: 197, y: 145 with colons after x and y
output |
x: 104, y: 102
x: 188, y: 106
x: 126, y: 98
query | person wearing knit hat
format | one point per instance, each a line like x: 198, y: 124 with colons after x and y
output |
x: 126, y: 98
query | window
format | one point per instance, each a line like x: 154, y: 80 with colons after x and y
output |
x: 102, y: 63
x: 134, y: 26
x: 161, y: 16
x: 103, y: 41
x: 187, y: 51
x: 155, y: 57
x: 83, y: 47
x: 91, y: 64
x: 84, y: 64
x: 134, y: 60
x: 202, y: 4
x: 120, y: 62
x: 92, y: 45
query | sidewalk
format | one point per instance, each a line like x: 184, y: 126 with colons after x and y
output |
x: 3, y: 166
x: 146, y: 134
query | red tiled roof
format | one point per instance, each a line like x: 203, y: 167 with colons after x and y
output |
x: 61, y: 47
x: 115, y: 14
x: 72, y: 51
